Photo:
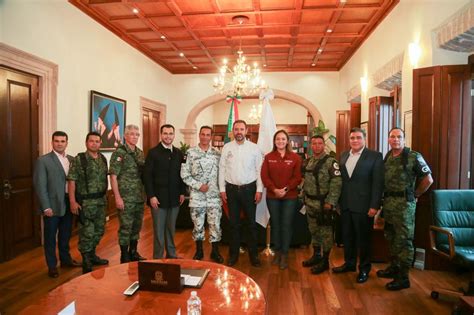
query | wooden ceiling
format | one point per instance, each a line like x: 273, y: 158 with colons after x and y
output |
x: 194, y: 36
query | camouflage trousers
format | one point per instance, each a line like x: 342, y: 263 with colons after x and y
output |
x: 399, y: 231
x: 130, y: 218
x: 214, y: 215
x: 321, y: 235
x: 91, y: 232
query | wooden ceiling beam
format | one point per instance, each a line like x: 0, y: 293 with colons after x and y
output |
x: 177, y: 11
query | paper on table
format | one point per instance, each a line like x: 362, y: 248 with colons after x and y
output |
x: 191, y: 280
x: 69, y: 310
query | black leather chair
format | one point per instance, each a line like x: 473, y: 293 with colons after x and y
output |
x: 452, y: 234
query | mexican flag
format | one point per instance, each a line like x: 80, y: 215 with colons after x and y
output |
x: 233, y: 115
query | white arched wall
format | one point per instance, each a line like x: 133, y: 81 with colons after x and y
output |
x: 190, y: 129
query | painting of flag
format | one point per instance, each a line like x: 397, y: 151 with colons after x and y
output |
x: 108, y: 119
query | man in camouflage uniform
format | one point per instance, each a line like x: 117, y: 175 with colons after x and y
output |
x: 126, y: 166
x: 200, y: 174
x: 407, y: 176
x: 87, y: 186
x: 322, y: 187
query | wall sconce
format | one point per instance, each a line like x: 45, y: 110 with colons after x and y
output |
x: 414, y: 53
x: 364, y: 84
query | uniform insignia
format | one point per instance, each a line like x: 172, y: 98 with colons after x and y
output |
x: 119, y: 159
x: 337, y: 172
x: 335, y: 165
x: 425, y: 169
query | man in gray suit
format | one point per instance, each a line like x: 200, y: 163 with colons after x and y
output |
x: 362, y: 172
x: 50, y: 185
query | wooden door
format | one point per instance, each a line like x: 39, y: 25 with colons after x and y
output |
x: 380, y: 122
x: 19, y: 137
x: 343, y: 118
x: 151, y: 128
x: 442, y: 133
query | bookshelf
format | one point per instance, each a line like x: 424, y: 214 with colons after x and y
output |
x: 298, y: 135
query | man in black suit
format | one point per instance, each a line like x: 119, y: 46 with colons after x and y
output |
x: 50, y: 185
x: 165, y: 191
x: 362, y: 173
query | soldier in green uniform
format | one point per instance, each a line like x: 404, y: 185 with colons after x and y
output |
x: 322, y: 187
x: 126, y: 166
x: 87, y: 186
x: 407, y: 176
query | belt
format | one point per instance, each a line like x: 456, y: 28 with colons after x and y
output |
x: 394, y: 194
x: 238, y: 187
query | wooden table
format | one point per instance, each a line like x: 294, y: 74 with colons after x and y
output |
x: 225, y: 291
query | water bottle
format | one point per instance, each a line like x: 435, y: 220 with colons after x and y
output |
x: 194, y: 304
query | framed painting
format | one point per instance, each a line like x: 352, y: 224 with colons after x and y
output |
x: 407, y: 126
x: 108, y: 119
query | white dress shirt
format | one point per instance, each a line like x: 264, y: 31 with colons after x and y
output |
x: 352, y: 161
x: 64, y: 162
x: 240, y: 164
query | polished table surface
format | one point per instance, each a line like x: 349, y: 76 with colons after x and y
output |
x: 225, y: 291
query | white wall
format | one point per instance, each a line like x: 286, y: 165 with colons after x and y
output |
x: 409, y: 21
x: 89, y: 57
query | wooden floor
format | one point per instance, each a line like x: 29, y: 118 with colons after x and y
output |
x: 293, y: 291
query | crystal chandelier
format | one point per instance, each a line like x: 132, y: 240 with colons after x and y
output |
x: 242, y: 79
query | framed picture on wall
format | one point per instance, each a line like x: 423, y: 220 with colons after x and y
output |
x: 365, y: 126
x: 108, y: 119
x: 407, y: 126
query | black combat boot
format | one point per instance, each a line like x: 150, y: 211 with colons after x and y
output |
x: 390, y: 272
x: 124, y: 255
x: 399, y: 283
x: 133, y: 252
x: 322, y: 265
x: 97, y: 261
x: 313, y: 260
x: 86, y: 262
x: 199, y: 252
x: 215, y: 255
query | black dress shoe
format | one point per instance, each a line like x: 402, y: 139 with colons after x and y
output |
x: 362, y: 277
x: 53, y: 273
x: 72, y: 263
x: 232, y: 261
x: 398, y: 284
x: 344, y: 268
x: 255, y: 262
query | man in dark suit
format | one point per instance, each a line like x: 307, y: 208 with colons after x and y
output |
x: 165, y: 191
x: 50, y: 185
x: 362, y: 173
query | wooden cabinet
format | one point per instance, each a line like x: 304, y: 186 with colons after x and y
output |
x: 442, y: 133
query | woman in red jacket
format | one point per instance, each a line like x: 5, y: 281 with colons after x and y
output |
x: 281, y: 175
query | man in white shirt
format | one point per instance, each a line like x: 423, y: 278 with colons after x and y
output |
x: 50, y: 186
x: 241, y: 187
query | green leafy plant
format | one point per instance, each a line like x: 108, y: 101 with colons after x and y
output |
x: 330, y: 139
x: 184, y: 147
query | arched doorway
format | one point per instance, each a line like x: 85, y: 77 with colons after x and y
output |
x: 190, y: 129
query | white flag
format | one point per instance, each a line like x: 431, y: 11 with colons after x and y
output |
x: 265, y: 143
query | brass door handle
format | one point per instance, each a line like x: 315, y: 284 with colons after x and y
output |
x: 7, y: 187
